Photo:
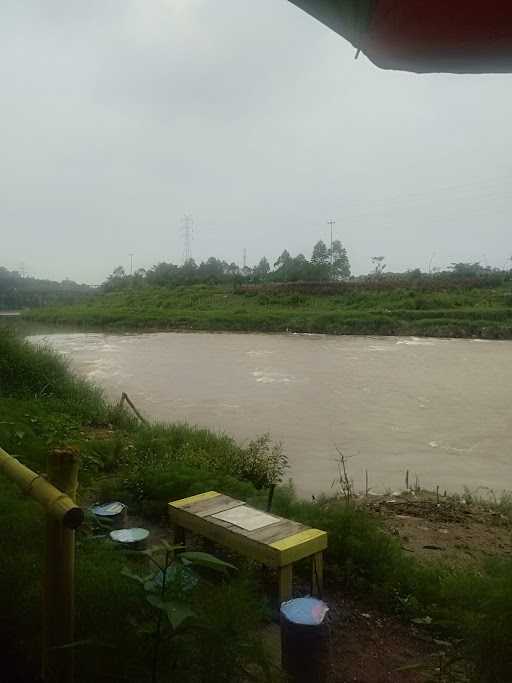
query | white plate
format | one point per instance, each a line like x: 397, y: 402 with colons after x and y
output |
x: 135, y: 535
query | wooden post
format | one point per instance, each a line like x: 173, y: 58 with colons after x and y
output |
x: 285, y: 583
x: 58, y: 600
x: 318, y: 574
x: 178, y: 535
x: 270, y: 497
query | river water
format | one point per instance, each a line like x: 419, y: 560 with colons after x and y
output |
x: 438, y: 408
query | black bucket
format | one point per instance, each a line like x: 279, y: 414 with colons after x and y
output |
x: 305, y: 640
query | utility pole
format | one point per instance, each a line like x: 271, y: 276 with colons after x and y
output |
x: 245, y: 259
x: 131, y: 263
x: 430, y: 262
x: 331, y: 222
x: 187, y: 230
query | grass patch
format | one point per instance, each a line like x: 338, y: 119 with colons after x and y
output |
x: 455, y: 312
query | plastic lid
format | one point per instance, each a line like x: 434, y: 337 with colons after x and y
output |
x: 134, y: 535
x: 308, y: 611
x: 108, y: 509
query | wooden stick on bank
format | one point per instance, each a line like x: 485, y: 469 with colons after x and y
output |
x: 125, y: 397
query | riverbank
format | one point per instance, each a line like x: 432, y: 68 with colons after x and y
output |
x: 465, y: 311
x: 391, y: 404
x: 43, y: 406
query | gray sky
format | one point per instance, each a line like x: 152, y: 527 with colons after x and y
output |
x: 119, y: 116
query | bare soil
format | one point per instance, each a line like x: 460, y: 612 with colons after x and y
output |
x: 369, y: 646
x: 459, y: 531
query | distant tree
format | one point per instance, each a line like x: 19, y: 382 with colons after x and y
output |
x: 163, y: 274
x: 211, y: 270
x: 262, y: 269
x: 320, y: 254
x: 19, y: 290
x: 340, y: 262
x: 283, y: 261
x: 320, y: 262
x: 116, y: 280
x: 378, y: 264
x: 301, y: 269
x: 282, y: 267
x: 188, y: 271
x: 232, y: 269
x: 469, y: 269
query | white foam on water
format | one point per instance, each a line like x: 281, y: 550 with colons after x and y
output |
x: 414, y: 341
x: 271, y: 377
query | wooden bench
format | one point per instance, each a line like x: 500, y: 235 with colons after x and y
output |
x: 266, y: 538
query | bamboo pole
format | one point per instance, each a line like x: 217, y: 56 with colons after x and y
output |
x: 58, y: 601
x: 56, y: 503
x: 63, y: 517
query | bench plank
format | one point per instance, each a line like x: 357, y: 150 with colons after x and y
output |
x: 212, y: 506
x: 303, y: 544
x: 275, y: 532
x: 194, y: 499
x: 278, y: 545
x: 225, y: 534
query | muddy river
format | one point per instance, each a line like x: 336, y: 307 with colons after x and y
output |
x: 439, y: 408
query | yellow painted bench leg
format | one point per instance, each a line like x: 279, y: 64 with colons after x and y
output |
x: 318, y: 573
x: 285, y: 583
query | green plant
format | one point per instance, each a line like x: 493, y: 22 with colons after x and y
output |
x: 263, y: 463
x: 343, y: 482
x: 166, y: 591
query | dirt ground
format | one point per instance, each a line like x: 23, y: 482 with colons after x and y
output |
x: 368, y: 646
x: 461, y: 532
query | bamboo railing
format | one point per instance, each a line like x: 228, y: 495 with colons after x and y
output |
x: 56, y: 495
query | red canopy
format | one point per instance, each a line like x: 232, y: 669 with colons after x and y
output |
x: 456, y: 36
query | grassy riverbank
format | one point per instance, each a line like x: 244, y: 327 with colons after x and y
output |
x: 457, y: 311
x: 43, y: 406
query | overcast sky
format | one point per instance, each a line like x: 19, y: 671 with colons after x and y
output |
x: 119, y: 116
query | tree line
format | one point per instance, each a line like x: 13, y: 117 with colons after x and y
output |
x: 21, y: 291
x: 325, y: 264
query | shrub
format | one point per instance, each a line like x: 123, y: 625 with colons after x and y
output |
x: 39, y: 373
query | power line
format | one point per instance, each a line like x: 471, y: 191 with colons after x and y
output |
x: 483, y: 189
